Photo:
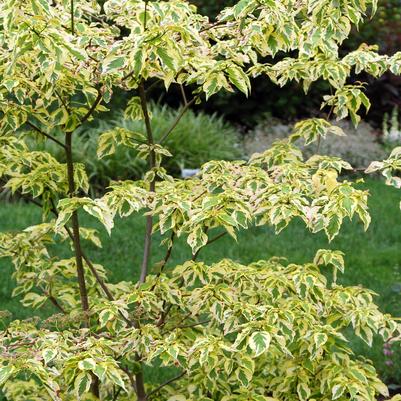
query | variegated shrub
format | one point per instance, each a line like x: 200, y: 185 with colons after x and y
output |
x: 270, y: 330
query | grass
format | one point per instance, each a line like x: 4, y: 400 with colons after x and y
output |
x: 373, y: 259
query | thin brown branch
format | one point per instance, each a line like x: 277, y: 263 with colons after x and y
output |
x: 117, y: 393
x: 93, y: 270
x: 218, y: 24
x: 168, y: 253
x: 183, y: 94
x: 177, y: 120
x: 217, y: 237
x: 67, y: 109
x: 72, y: 17
x: 211, y: 26
x: 93, y: 107
x: 75, y: 226
x: 152, y: 186
x: 56, y: 304
x: 165, y: 260
x: 158, y: 388
x: 185, y: 326
x: 127, y: 76
x: 210, y: 241
x: 52, y: 138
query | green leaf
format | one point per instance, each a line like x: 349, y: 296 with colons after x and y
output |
x: 82, y: 384
x: 5, y: 373
x: 87, y: 364
x: 320, y: 339
x: 337, y: 391
x: 169, y: 57
x: 110, y: 64
x: 303, y: 391
x: 238, y: 78
x: 104, y: 317
x: 259, y: 342
x: 49, y: 354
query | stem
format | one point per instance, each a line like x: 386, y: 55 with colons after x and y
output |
x: 95, y: 390
x: 37, y: 129
x: 177, y: 120
x: 183, y: 94
x: 157, y: 389
x: 93, y: 107
x: 72, y: 17
x: 75, y: 225
x: 152, y: 163
x: 217, y: 237
x: 56, y: 304
x: 146, y: 15
x: 165, y: 260
x: 140, y: 386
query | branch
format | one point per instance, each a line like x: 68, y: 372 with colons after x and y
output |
x: 152, y: 163
x: 63, y: 102
x: 217, y: 237
x: 185, y: 326
x: 93, y: 107
x: 157, y: 389
x: 92, y: 268
x: 56, y: 304
x: 117, y: 393
x: 177, y: 120
x: 37, y: 129
x: 218, y: 24
x: 165, y: 260
x: 183, y: 94
x: 168, y: 253
x: 72, y: 17
x: 75, y: 226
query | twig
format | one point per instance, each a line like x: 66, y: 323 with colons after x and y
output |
x: 93, y: 107
x: 184, y: 96
x: 157, y: 389
x: 152, y: 163
x: 216, y: 24
x: 217, y: 237
x: 56, y: 304
x: 75, y: 226
x: 52, y: 138
x: 72, y: 17
x: 177, y: 120
x: 185, y: 326
x: 67, y: 109
x: 117, y: 393
x: 168, y: 254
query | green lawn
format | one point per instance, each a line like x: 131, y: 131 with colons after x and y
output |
x: 373, y: 259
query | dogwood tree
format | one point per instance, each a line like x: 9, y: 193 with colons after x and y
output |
x: 270, y: 330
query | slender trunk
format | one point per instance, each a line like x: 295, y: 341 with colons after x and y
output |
x: 140, y: 387
x: 75, y: 226
x: 72, y: 17
x: 95, y: 390
x: 149, y: 219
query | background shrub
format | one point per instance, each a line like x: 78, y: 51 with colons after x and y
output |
x: 197, y: 139
x: 359, y: 146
